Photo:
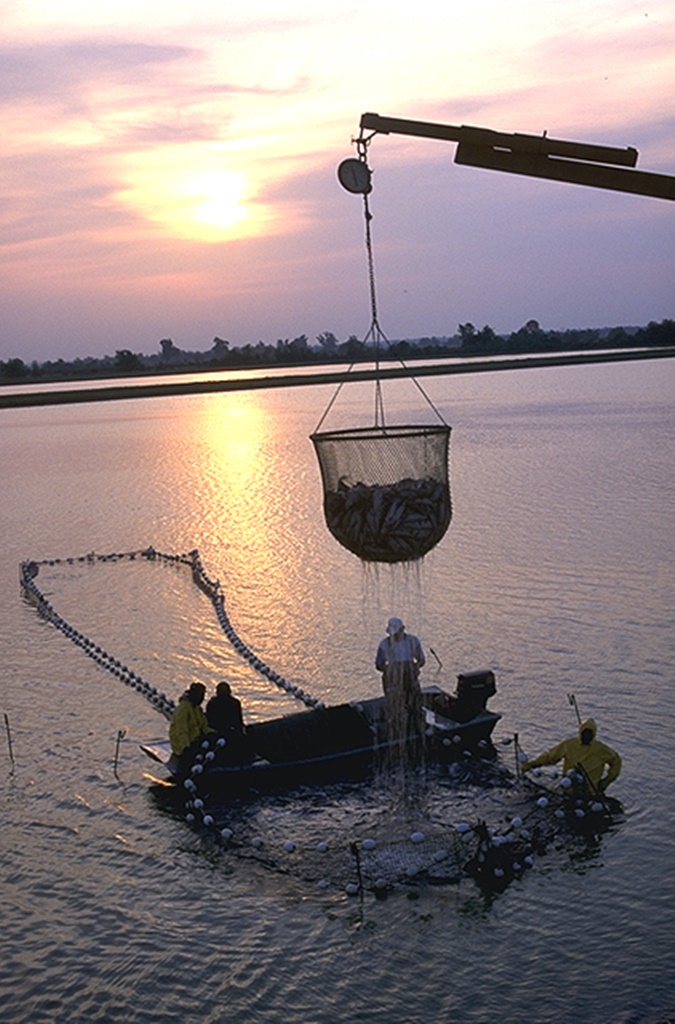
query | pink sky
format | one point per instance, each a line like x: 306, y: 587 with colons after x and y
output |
x: 169, y: 172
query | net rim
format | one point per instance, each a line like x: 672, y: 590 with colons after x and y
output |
x: 373, y: 432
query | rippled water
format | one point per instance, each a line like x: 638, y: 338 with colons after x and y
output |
x: 557, y: 571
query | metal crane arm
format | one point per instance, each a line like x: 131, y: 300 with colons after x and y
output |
x: 537, y: 156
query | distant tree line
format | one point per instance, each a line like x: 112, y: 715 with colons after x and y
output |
x: 468, y: 341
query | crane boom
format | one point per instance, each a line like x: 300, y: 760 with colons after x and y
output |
x: 537, y: 156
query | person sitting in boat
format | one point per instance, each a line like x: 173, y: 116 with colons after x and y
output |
x: 223, y: 713
x: 585, y: 754
x: 188, y: 726
x: 399, y: 658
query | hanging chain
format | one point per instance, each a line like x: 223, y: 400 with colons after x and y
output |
x: 375, y: 332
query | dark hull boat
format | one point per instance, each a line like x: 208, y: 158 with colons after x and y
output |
x: 343, y: 742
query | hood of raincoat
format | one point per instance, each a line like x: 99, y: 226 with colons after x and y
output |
x: 588, y: 724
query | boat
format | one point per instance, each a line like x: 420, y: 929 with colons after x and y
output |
x: 320, y: 744
x: 341, y: 742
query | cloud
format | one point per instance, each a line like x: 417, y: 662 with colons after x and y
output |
x: 115, y: 117
x: 91, y: 126
x: 60, y: 72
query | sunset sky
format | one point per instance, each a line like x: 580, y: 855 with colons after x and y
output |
x: 169, y: 170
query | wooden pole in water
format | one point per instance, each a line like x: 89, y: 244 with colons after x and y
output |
x: 357, y: 858
x: 573, y: 701
x: 121, y: 733
x: 9, y: 741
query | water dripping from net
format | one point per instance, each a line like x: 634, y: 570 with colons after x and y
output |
x: 401, y: 763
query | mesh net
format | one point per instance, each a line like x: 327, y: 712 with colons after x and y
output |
x: 386, y: 489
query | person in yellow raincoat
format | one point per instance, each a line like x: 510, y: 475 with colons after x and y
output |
x: 188, y: 725
x: 585, y: 753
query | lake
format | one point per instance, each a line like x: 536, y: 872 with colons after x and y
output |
x: 557, y: 571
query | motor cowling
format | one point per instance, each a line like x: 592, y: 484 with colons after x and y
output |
x: 474, y: 690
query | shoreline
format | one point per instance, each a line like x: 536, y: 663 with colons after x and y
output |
x: 117, y: 392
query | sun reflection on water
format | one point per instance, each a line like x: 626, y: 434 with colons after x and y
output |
x: 247, y: 503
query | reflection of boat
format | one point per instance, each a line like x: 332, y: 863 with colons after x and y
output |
x: 343, y: 741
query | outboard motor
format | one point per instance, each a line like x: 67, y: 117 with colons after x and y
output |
x: 474, y: 689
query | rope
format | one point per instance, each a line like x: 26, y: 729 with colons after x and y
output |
x: 212, y: 749
x: 375, y: 332
x: 28, y: 574
x: 492, y: 858
x: 30, y: 569
x: 213, y: 590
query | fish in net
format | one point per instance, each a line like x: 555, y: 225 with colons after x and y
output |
x: 386, y: 489
x: 473, y: 822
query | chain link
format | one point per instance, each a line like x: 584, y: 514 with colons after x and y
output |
x: 375, y: 333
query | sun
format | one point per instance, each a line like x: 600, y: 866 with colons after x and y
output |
x: 217, y: 199
x: 208, y: 205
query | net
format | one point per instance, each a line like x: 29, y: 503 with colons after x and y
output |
x: 386, y: 489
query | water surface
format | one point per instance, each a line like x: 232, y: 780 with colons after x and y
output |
x: 557, y: 571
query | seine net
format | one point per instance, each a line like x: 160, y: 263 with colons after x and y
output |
x: 386, y: 489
